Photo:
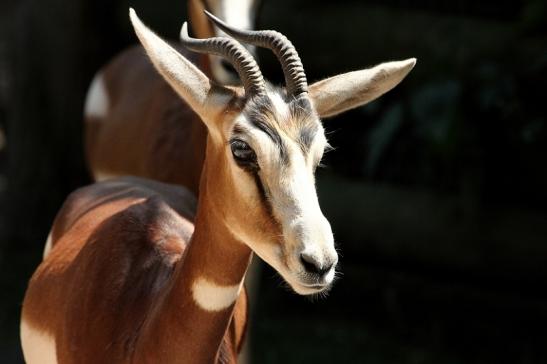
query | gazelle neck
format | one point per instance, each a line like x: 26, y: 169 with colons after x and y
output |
x: 190, y: 323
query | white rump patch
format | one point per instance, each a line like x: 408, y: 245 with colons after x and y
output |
x: 96, y: 103
x: 212, y: 297
x: 102, y: 176
x: 47, y: 248
x: 38, y: 347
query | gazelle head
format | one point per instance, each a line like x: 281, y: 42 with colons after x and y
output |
x: 264, y: 144
x: 238, y: 13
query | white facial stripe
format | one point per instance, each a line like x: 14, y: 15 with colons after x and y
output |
x: 38, y: 347
x: 297, y: 194
x: 212, y: 297
x: 47, y: 248
x: 96, y: 103
x: 261, y: 143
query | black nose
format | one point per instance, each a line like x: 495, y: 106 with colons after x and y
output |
x: 312, y: 265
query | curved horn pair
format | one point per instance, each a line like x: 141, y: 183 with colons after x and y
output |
x: 242, y: 60
x: 295, y: 78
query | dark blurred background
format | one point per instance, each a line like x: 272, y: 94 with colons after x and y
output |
x: 437, y: 192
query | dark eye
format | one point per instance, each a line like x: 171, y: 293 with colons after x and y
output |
x: 242, y: 152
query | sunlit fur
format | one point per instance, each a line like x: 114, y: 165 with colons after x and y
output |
x: 273, y: 208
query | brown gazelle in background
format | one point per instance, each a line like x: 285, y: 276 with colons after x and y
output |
x: 135, y: 124
x: 135, y: 275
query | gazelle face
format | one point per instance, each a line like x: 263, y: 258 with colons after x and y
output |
x: 261, y: 157
x: 273, y: 148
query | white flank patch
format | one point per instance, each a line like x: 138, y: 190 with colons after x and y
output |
x: 212, y: 297
x: 47, y: 248
x: 96, y: 103
x: 38, y: 347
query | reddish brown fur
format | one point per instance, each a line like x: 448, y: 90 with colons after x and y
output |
x: 149, y: 131
x: 115, y: 287
x: 164, y: 140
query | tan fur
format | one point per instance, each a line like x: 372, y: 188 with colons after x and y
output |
x: 349, y: 90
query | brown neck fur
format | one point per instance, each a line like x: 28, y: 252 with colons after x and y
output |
x: 215, y: 254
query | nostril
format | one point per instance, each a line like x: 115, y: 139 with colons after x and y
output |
x: 312, y: 265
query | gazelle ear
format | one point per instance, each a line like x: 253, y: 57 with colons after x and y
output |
x: 187, y: 80
x: 349, y: 90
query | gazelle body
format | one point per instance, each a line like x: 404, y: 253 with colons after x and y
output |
x: 112, y: 272
x: 135, y: 124
x: 134, y: 276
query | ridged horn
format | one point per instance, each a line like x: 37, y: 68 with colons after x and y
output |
x: 235, y: 53
x: 295, y: 78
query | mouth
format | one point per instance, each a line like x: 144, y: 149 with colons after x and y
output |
x: 305, y: 283
x: 316, y: 286
x: 295, y: 277
x: 308, y: 289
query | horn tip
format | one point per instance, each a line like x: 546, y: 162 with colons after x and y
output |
x: 136, y: 21
x: 214, y: 18
x: 132, y: 14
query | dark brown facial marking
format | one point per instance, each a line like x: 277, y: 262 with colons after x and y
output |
x: 258, y: 115
x: 263, y: 193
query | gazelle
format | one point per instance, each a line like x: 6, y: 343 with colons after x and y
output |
x: 135, y: 276
x: 135, y: 124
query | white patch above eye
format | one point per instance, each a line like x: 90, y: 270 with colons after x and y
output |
x: 96, y: 102
x: 212, y: 297
x: 281, y: 107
